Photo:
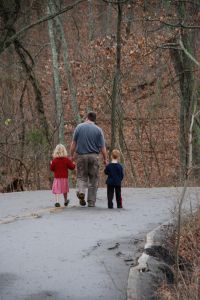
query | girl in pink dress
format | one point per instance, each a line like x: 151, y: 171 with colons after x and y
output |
x: 60, y: 165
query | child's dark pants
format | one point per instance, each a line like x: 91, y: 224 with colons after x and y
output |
x: 110, y: 195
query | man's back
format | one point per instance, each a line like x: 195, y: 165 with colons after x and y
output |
x: 89, y: 138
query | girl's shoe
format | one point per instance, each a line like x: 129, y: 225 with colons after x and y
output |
x: 66, y: 202
x: 57, y: 204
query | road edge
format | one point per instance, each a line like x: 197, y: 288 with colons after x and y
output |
x: 150, y: 270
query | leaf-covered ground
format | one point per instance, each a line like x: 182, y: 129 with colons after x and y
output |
x: 188, y: 286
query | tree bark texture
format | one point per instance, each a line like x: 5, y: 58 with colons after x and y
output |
x: 116, y: 84
x: 185, y: 70
x: 129, y: 18
x: 91, y: 23
x: 56, y: 76
x: 68, y: 71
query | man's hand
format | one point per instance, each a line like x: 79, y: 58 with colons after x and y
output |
x: 72, y: 150
x: 74, y: 157
x: 104, y: 153
x: 105, y: 161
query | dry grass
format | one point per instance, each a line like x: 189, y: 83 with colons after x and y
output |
x: 188, y: 284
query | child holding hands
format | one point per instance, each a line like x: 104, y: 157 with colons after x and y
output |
x: 60, y: 165
x: 114, y: 170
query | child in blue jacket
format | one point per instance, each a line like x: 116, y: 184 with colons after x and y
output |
x: 115, y: 173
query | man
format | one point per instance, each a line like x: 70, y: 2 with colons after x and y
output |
x: 88, y: 141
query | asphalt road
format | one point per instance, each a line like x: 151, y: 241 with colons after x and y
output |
x: 75, y: 253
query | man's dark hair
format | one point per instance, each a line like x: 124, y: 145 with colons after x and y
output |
x: 91, y: 116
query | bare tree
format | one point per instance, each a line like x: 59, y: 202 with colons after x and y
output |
x: 129, y: 18
x: 185, y: 69
x: 56, y: 75
x: 116, y: 82
x: 109, y: 19
x: 68, y: 71
x: 91, y: 23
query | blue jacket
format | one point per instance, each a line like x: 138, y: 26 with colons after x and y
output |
x: 115, y: 174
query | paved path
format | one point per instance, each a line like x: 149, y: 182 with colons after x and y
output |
x: 75, y: 253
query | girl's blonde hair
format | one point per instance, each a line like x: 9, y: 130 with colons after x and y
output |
x: 115, y: 154
x: 60, y: 151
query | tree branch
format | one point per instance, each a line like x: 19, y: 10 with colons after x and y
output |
x: 115, y: 1
x: 42, y: 20
x: 180, y: 25
x: 188, y: 54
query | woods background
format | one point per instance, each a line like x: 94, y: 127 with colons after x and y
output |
x: 136, y: 63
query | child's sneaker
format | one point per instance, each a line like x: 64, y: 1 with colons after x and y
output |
x: 81, y: 198
x: 66, y: 202
x: 57, y: 204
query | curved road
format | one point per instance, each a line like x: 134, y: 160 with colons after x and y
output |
x: 75, y: 253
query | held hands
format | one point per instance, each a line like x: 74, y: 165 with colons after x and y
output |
x: 73, y: 158
x: 105, y: 161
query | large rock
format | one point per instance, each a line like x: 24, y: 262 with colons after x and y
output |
x: 153, y: 267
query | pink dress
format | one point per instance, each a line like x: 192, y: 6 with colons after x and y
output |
x: 60, y: 186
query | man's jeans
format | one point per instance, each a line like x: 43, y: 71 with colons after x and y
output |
x: 88, y: 175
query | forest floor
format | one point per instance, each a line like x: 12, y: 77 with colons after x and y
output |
x: 187, y: 286
x: 76, y: 252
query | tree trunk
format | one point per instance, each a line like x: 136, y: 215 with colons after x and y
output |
x: 184, y: 68
x: 129, y: 18
x: 91, y: 20
x: 109, y: 20
x: 22, y: 134
x: 56, y: 75
x: 68, y: 72
x: 24, y: 54
x: 116, y: 84
x: 9, y: 12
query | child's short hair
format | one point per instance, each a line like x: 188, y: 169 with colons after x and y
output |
x: 60, y: 151
x: 115, y: 154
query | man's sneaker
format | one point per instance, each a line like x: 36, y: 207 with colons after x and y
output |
x: 91, y: 204
x: 66, y: 202
x: 81, y: 198
x: 57, y: 204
